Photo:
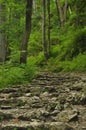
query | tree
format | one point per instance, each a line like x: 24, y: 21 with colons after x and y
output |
x: 80, y: 9
x: 23, y: 55
x: 62, y: 11
x: 35, y: 5
x: 2, y: 35
x: 44, y: 29
x: 48, y: 9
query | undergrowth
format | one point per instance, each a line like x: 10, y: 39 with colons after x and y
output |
x: 78, y: 64
x: 18, y: 74
x: 70, y: 54
x: 67, y: 55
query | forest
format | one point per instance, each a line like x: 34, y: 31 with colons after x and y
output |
x: 41, y: 34
x: 42, y: 64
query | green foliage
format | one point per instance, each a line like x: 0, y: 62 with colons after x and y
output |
x: 35, y: 43
x: 77, y: 64
x: 14, y: 73
x: 72, y: 44
x: 1, y: 117
x: 81, y: 12
x: 70, y: 55
x: 29, y: 71
x: 14, y: 25
x: 15, y: 129
x: 11, y: 75
x: 37, y: 60
x: 68, y: 45
x: 29, y: 129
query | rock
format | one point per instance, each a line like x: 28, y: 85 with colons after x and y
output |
x: 68, y: 115
x: 76, y: 98
x: 9, y: 90
x: 83, y: 99
x: 15, y: 94
x: 45, y: 94
x: 58, y: 126
x: 35, y: 98
x: 28, y: 94
x: 54, y: 113
x: 51, y: 102
x: 5, y: 107
x: 77, y: 86
x: 4, y: 116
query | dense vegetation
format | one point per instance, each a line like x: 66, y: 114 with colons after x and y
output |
x: 65, y: 40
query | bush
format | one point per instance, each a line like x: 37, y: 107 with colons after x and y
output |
x: 20, y: 74
x: 11, y: 75
x: 73, y: 44
x: 77, y: 64
x: 37, y: 60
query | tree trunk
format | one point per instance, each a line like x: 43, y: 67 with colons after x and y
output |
x: 2, y: 35
x: 24, y: 46
x: 48, y: 9
x: 35, y: 6
x: 60, y: 13
x: 65, y: 10
x: 44, y: 29
x: 9, y: 19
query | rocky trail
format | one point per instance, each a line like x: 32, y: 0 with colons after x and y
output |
x: 51, y: 102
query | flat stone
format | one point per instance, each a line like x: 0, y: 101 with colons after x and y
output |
x: 5, y: 107
x: 4, y: 116
x: 68, y: 115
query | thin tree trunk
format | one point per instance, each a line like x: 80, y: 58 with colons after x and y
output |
x: 65, y: 10
x: 48, y: 9
x: 61, y: 15
x: 23, y: 55
x: 35, y: 6
x: 2, y: 35
x: 44, y: 29
x: 9, y: 19
x: 62, y: 12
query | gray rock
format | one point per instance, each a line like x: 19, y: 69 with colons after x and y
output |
x: 68, y: 115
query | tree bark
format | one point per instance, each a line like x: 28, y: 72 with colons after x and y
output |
x: 2, y: 35
x: 35, y: 6
x: 44, y: 28
x: 48, y: 9
x: 24, y: 46
x: 65, y: 10
x: 60, y: 13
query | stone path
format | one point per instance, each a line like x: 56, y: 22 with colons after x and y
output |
x: 51, y: 102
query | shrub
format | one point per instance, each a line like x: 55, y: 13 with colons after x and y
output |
x: 11, y: 75
x: 73, y: 44
x: 77, y: 64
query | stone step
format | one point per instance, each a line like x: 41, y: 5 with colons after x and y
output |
x: 8, y: 90
x: 12, y: 102
x: 49, y: 98
x: 36, y: 126
x: 5, y: 116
